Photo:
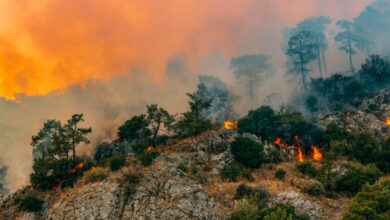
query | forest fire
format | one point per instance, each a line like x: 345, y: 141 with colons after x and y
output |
x: 229, y: 125
x: 300, y: 155
x: 317, y: 155
x: 116, y: 139
x: 149, y: 148
x: 76, y: 168
x: 387, y: 121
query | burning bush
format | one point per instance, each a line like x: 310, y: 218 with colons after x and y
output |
x: 247, y: 152
x: 97, y: 174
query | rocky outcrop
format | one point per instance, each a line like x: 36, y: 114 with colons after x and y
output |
x: 301, y: 206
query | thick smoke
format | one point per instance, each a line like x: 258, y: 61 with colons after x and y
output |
x: 110, y: 61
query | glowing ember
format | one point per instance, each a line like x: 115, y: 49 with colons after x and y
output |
x: 149, y: 148
x: 387, y: 121
x: 55, y: 188
x: 78, y: 167
x: 116, y: 139
x: 300, y: 155
x: 277, y: 141
x: 229, y: 125
x: 317, y: 155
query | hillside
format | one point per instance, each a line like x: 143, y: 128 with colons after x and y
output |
x: 167, y: 192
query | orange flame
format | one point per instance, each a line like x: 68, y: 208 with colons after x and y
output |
x: 387, y: 121
x: 317, y: 155
x: 78, y: 167
x: 277, y: 141
x: 149, y: 148
x: 300, y: 155
x: 116, y: 139
x: 229, y: 125
x: 55, y: 188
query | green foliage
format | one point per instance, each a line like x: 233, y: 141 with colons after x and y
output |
x: 268, y: 125
x: 314, y: 188
x: 280, y: 173
x: 280, y: 211
x: 247, y: 152
x: 364, y: 147
x: 193, y: 122
x: 131, y: 179
x: 274, y: 156
x: 247, y: 210
x: 98, y: 174
x: 148, y: 156
x: 259, y: 193
x: 383, y: 162
x: 135, y: 128
x: 130, y: 189
x: 356, y: 177
x: 231, y: 172
x: 376, y: 70
x: 73, y: 134
x: 117, y: 162
x: 311, y: 103
x: 139, y: 147
x: 182, y: 168
x: 156, y: 118
x: 307, y: 168
x: 30, y: 203
x: 373, y: 202
x: 247, y: 174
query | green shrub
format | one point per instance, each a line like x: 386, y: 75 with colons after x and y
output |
x: 246, y: 210
x: 133, y: 177
x: 280, y: 211
x: 130, y: 188
x: 356, y: 177
x: 247, y: 174
x: 259, y: 193
x: 194, y: 170
x: 364, y: 147
x: 117, y: 162
x: 98, y: 174
x: 373, y: 202
x: 314, y: 188
x: 274, y: 156
x: 182, y: 168
x: 148, y: 156
x: 307, y: 168
x: 231, y: 172
x: 30, y: 203
x: 139, y: 147
x: 247, y: 152
x: 280, y: 173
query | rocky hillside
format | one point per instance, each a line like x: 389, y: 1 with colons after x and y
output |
x: 167, y: 191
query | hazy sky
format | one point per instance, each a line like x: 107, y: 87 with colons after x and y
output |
x: 103, y: 58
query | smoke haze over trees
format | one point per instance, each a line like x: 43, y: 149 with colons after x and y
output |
x: 240, y: 71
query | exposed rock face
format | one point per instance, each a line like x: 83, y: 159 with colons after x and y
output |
x: 301, y: 206
x: 165, y: 193
x: 95, y: 201
x: 369, y: 116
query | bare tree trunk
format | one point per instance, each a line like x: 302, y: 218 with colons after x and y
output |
x: 350, y: 56
x: 324, y: 61
x: 155, y: 133
x: 301, y: 65
x: 319, y: 60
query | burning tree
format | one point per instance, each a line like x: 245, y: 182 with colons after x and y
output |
x: 52, y: 166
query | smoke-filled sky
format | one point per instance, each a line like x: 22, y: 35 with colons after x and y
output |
x: 108, y: 59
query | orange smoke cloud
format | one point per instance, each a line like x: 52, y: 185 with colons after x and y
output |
x: 51, y: 44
